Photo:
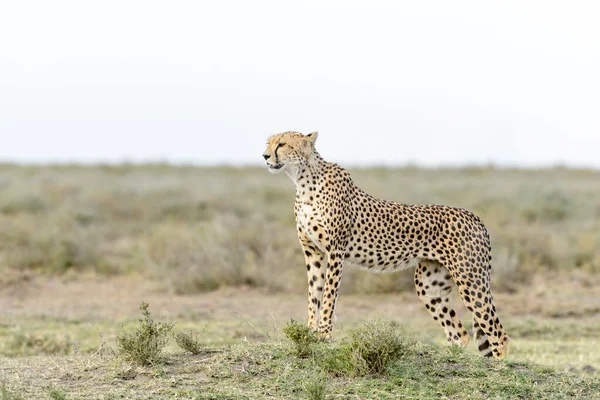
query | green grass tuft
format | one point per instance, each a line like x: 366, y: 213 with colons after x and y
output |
x: 376, y: 345
x: 338, y: 361
x: 57, y: 394
x: 316, y: 386
x: 302, y: 337
x: 369, y: 349
x: 145, y: 346
x: 188, y: 341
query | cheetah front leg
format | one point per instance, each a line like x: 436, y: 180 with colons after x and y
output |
x: 315, y: 270
x: 330, y: 292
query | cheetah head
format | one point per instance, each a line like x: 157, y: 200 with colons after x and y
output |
x: 289, y: 149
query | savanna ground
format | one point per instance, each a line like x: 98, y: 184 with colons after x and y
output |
x: 214, y: 250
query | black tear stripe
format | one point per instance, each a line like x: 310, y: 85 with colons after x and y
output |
x: 276, y: 156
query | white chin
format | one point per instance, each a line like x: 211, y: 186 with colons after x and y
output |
x: 276, y: 168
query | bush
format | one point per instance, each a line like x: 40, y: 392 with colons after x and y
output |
x: 302, y: 336
x: 369, y: 349
x: 375, y: 346
x: 145, y: 345
x: 188, y: 341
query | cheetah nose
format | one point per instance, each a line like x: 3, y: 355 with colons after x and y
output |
x: 266, y: 156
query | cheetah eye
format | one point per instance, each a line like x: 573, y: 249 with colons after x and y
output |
x: 280, y: 145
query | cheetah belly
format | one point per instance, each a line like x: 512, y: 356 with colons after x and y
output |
x: 382, y: 264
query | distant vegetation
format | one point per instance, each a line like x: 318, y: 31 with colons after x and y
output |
x: 197, y: 229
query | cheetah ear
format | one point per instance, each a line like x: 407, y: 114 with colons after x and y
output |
x: 313, y: 136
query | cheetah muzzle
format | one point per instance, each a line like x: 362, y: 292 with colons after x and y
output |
x: 338, y: 223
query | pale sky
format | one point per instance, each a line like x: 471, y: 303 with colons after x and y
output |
x: 424, y: 82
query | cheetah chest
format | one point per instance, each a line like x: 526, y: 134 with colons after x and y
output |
x: 308, y: 218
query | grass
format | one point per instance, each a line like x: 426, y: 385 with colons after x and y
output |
x: 255, y: 360
x: 199, y: 229
x: 6, y: 394
x: 27, y: 343
x: 259, y: 370
x: 82, y: 325
x: 316, y: 386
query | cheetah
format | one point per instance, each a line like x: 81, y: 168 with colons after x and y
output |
x: 338, y: 224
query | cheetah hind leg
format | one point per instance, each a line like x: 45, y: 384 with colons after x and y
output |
x: 434, y: 288
x: 483, y: 344
x: 491, y: 339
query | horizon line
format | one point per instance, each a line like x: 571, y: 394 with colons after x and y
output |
x: 240, y: 165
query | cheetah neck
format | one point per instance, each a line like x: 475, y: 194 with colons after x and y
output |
x: 308, y: 173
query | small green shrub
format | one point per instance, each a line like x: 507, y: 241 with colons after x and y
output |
x: 188, y: 341
x: 146, y: 344
x: 376, y: 345
x: 316, y: 386
x: 302, y: 336
x: 369, y: 349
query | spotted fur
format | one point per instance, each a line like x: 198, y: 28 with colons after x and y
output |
x: 339, y: 224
